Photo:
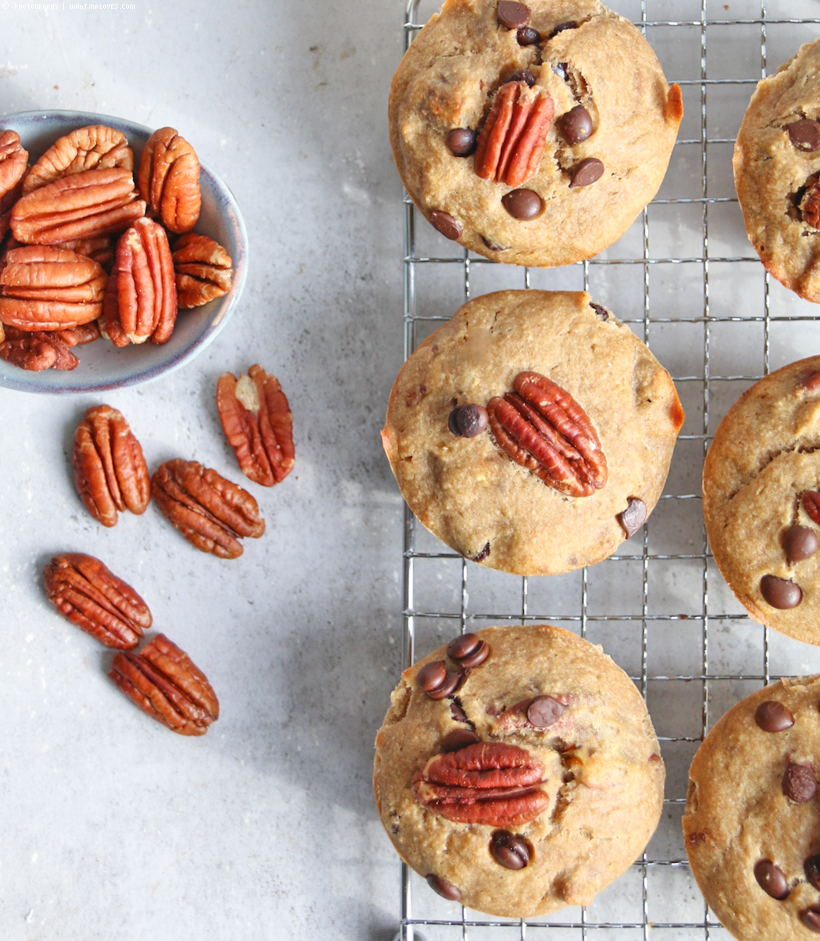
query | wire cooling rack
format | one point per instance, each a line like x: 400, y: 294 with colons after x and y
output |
x: 686, y: 280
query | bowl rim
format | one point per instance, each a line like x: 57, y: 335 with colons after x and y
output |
x: 26, y: 381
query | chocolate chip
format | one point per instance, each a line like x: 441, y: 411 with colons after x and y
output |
x: 800, y: 543
x: 492, y: 245
x: 543, y: 711
x: 469, y: 650
x: 780, y: 593
x: 513, y: 15
x: 576, y: 126
x: 484, y: 554
x: 633, y: 517
x: 560, y: 29
x: 799, y: 783
x: 600, y: 312
x: 527, y: 36
x: 445, y: 889
x: 522, y: 204
x: 432, y: 675
x: 771, y: 879
x: 447, y: 688
x: 560, y: 70
x: 458, y: 739
x: 587, y: 172
x: 467, y: 421
x: 805, y: 134
x: 773, y: 716
x: 812, y: 869
x: 510, y: 850
x: 811, y: 504
x: 458, y: 714
x: 462, y: 141
x: 445, y: 224
x: 522, y: 75
x: 811, y: 918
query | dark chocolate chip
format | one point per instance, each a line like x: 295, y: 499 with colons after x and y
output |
x: 484, y: 554
x: 492, y: 245
x: 633, y: 517
x: 432, y: 675
x: 560, y: 70
x: 522, y: 204
x: 771, y: 879
x: 812, y: 869
x: 447, y: 688
x: 780, y: 593
x: 462, y: 141
x: 476, y: 658
x: 600, y: 312
x: 811, y: 504
x: 458, y: 714
x: 527, y: 36
x: 576, y: 125
x: 799, y: 782
x: 805, y: 134
x: 467, y: 421
x: 799, y: 543
x: 463, y: 645
x: 445, y: 224
x: 513, y: 15
x: 560, y: 29
x: 522, y: 75
x: 811, y: 918
x: 587, y: 172
x: 458, y: 739
x: 543, y: 711
x: 773, y: 716
x: 510, y: 850
x: 445, y: 889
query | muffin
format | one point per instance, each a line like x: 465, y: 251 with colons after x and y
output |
x: 518, y: 771
x: 777, y: 172
x: 761, y: 500
x: 532, y: 134
x: 533, y: 432
x: 752, y: 820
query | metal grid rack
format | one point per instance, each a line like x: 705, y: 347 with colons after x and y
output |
x: 659, y: 607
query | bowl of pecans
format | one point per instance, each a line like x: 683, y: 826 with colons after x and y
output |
x: 121, y: 255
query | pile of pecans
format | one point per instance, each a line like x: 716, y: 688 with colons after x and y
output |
x: 85, y: 251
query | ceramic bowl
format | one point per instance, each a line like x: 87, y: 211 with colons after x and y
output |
x: 102, y: 365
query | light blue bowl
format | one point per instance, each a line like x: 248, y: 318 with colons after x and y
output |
x: 102, y: 365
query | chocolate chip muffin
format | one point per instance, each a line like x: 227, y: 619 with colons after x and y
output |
x: 761, y: 500
x: 752, y: 820
x: 518, y: 771
x: 532, y: 432
x: 777, y: 172
x: 533, y: 134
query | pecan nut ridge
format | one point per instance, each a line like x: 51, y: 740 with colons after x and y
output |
x: 203, y: 270
x: 168, y: 180
x: 13, y: 161
x: 511, y: 143
x: 489, y: 783
x: 95, y: 147
x: 541, y: 427
x: 89, y: 595
x: 37, y: 351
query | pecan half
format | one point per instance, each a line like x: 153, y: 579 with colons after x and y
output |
x: 13, y: 161
x: 168, y: 180
x: 543, y: 428
x: 257, y: 422
x: 203, y: 269
x: 93, y: 598
x: 37, y: 351
x: 110, y: 473
x: 96, y: 147
x: 810, y: 203
x: 164, y: 682
x: 141, y: 297
x: 208, y: 510
x: 45, y: 288
x: 490, y: 782
x: 512, y: 140
x: 84, y: 205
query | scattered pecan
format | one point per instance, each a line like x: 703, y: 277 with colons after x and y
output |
x: 489, y: 783
x: 810, y: 203
x: 208, y: 510
x: 94, y: 599
x: 141, y: 297
x: 542, y: 427
x: 46, y: 288
x: 168, y: 180
x: 258, y: 425
x: 84, y: 205
x: 13, y: 161
x: 110, y: 473
x: 96, y: 147
x: 203, y: 270
x: 512, y: 140
x: 163, y: 681
x: 37, y: 351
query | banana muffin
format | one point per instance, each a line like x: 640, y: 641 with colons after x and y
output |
x: 517, y: 770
